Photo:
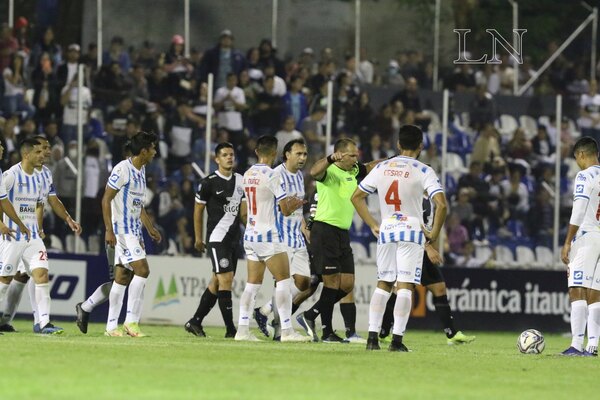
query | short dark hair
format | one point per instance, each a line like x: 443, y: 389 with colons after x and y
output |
x: 142, y: 140
x: 266, y: 144
x: 221, y: 146
x: 40, y: 138
x: 586, y: 144
x: 410, y: 137
x: 342, y: 144
x: 28, y: 145
x: 289, y: 145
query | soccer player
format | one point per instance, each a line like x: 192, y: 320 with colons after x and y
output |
x: 118, y: 272
x: 432, y: 279
x: 291, y: 230
x: 122, y: 205
x: 222, y: 195
x: 400, y: 182
x: 24, y: 187
x: 262, y: 242
x: 581, y: 251
x: 15, y: 291
x: 337, y: 177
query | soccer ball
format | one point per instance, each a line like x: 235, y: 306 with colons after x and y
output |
x: 531, y: 341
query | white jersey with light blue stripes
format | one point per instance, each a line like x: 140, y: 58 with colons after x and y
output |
x: 400, y: 183
x: 24, y: 192
x: 127, y: 205
x: 289, y: 227
x: 586, y: 196
x: 45, y: 176
x: 264, y: 190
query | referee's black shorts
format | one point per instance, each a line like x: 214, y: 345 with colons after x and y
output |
x: 223, y: 256
x: 431, y: 273
x: 331, y: 249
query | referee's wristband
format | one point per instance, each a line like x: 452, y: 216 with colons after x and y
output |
x: 330, y: 159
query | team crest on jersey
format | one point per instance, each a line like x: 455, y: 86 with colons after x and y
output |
x: 223, y: 263
x: 8, y: 267
x: 240, y: 191
x: 579, y: 189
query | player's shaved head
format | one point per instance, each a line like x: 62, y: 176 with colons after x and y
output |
x: 266, y: 145
x: 410, y: 137
x: 587, y: 145
x: 342, y: 144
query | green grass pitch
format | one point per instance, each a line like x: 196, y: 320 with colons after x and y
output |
x: 171, y: 364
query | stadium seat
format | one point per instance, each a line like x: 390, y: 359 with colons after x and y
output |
x: 70, y: 244
x: 529, y: 125
x: 455, y: 165
x: 359, y: 251
x: 544, y: 256
x: 483, y: 252
x: 544, y: 120
x: 504, y: 257
x: 506, y: 125
x: 56, y: 243
x: 525, y: 257
x: 435, y: 125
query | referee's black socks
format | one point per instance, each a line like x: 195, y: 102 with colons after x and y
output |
x: 328, y: 299
x: 348, y: 311
x: 442, y: 308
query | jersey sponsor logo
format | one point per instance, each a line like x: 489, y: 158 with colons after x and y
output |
x: 26, y: 208
x: 579, y: 189
x: 137, y: 202
x: 114, y: 177
x: 224, y: 263
x: 578, y: 277
x: 231, y: 208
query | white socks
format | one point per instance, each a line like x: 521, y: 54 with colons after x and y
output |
x: 267, y: 309
x: 377, y: 309
x: 593, y: 325
x: 578, y: 321
x: 12, y: 300
x: 42, y: 297
x: 99, y: 296
x: 135, y: 299
x: 32, y: 300
x: 3, y: 289
x: 402, y: 311
x: 115, y: 298
x: 283, y: 301
x: 246, y: 305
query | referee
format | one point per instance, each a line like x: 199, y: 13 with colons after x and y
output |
x: 222, y: 195
x: 337, y: 177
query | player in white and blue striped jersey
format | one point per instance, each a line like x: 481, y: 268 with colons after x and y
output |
x: 290, y: 229
x: 400, y: 182
x: 121, y: 209
x: 15, y: 292
x: 262, y: 242
x: 24, y: 190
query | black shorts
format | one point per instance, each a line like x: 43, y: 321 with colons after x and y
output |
x: 223, y: 256
x: 431, y: 273
x: 331, y: 249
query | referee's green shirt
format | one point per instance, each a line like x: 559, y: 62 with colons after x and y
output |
x: 335, y: 190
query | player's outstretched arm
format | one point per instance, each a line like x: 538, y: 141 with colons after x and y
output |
x: 198, y: 222
x: 59, y: 209
x: 9, y: 210
x: 290, y: 204
x: 109, y: 195
x: 359, y: 201
x: 439, y: 216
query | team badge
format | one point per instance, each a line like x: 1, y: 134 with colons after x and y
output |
x: 223, y: 263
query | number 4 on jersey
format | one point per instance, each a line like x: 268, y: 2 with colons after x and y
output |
x: 392, y: 197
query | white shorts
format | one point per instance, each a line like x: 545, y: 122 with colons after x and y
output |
x: 128, y: 250
x: 262, y: 251
x: 400, y: 262
x: 299, y: 262
x: 32, y: 253
x: 584, y: 268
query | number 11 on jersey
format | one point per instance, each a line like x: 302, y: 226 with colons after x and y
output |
x: 251, y: 195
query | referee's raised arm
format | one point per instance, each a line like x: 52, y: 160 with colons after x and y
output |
x: 319, y: 169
